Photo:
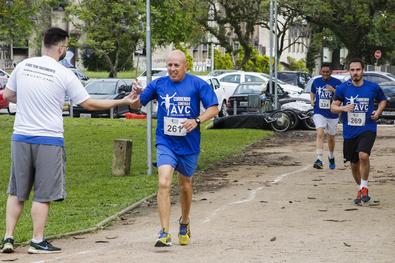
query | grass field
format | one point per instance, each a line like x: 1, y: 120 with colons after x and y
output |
x: 93, y: 193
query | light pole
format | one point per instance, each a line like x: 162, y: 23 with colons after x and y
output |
x: 149, y: 78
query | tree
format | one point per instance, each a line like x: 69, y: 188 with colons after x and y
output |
x: 16, y: 20
x: 112, y: 28
x: 173, y: 22
x: 222, y: 61
x: 361, y: 25
x: 230, y: 22
x: 288, y: 19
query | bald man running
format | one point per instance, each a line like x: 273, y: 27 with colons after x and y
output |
x: 177, y: 136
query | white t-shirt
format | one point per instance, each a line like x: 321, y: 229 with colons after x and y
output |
x: 41, y: 84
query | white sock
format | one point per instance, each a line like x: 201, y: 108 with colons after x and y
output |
x: 37, y: 240
x: 364, y: 183
x: 331, y: 155
x: 319, y: 154
x: 5, y: 237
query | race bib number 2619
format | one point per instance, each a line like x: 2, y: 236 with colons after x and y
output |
x: 173, y: 126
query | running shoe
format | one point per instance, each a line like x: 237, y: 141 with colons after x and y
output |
x: 318, y: 164
x: 365, y: 197
x: 44, y: 247
x: 184, y: 235
x: 332, y: 164
x: 358, y: 200
x: 164, y: 239
x: 8, y: 246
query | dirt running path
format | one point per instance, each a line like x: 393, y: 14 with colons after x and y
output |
x: 268, y: 205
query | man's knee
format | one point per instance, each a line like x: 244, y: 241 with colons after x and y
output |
x: 164, y: 183
x: 363, y: 157
x: 186, y: 184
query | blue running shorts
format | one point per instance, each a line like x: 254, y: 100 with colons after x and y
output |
x: 184, y: 164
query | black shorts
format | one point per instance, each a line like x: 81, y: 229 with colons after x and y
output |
x: 363, y: 143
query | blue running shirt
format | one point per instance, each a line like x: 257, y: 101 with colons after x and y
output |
x: 359, y: 120
x: 178, y: 101
x: 323, y: 97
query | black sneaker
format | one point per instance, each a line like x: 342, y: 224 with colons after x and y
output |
x: 318, y: 164
x: 8, y: 246
x: 332, y: 164
x: 44, y: 247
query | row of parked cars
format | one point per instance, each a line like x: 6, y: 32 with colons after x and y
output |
x: 232, y: 87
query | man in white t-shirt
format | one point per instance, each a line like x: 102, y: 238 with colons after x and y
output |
x: 39, y: 85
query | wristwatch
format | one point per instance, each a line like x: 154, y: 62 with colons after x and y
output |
x: 198, y: 121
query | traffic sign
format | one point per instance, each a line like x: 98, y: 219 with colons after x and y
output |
x: 377, y: 54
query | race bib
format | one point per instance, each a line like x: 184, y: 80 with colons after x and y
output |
x: 356, y: 118
x: 325, y: 104
x: 173, y: 126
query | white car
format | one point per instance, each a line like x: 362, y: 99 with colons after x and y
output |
x: 219, y: 91
x: 231, y: 80
x: 155, y: 73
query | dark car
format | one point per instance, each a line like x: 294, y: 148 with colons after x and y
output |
x: 389, y: 91
x: 102, y: 89
x: 253, y: 97
x: 297, y: 78
x: 81, y: 76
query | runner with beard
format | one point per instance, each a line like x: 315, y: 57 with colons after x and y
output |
x: 355, y: 100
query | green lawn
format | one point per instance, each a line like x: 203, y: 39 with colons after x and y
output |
x: 93, y: 193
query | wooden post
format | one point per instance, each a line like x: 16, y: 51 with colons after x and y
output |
x: 122, y: 157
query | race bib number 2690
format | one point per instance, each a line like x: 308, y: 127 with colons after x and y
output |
x: 173, y: 126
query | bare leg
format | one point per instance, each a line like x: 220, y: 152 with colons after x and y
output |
x: 165, y: 178
x: 331, y: 143
x: 356, y: 172
x: 185, y: 197
x: 14, y: 211
x: 364, y: 165
x: 39, y: 214
x: 320, y: 140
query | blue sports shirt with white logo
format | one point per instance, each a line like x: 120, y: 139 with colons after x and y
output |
x: 323, y: 97
x: 359, y: 120
x: 179, y: 100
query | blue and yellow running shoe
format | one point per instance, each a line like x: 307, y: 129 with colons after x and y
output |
x: 184, y: 235
x: 318, y: 164
x: 164, y: 239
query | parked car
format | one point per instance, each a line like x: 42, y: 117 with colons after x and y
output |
x: 231, y: 80
x: 389, y: 91
x: 155, y: 73
x: 291, y: 89
x: 373, y: 76
x: 3, y: 78
x: 297, y: 78
x: 3, y: 103
x: 105, y: 89
x: 219, y: 91
x: 81, y: 76
x: 218, y: 72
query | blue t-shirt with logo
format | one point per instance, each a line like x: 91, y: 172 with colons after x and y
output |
x: 323, y: 97
x: 359, y: 120
x: 178, y: 100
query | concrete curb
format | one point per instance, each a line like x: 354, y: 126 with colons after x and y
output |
x: 100, y: 225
